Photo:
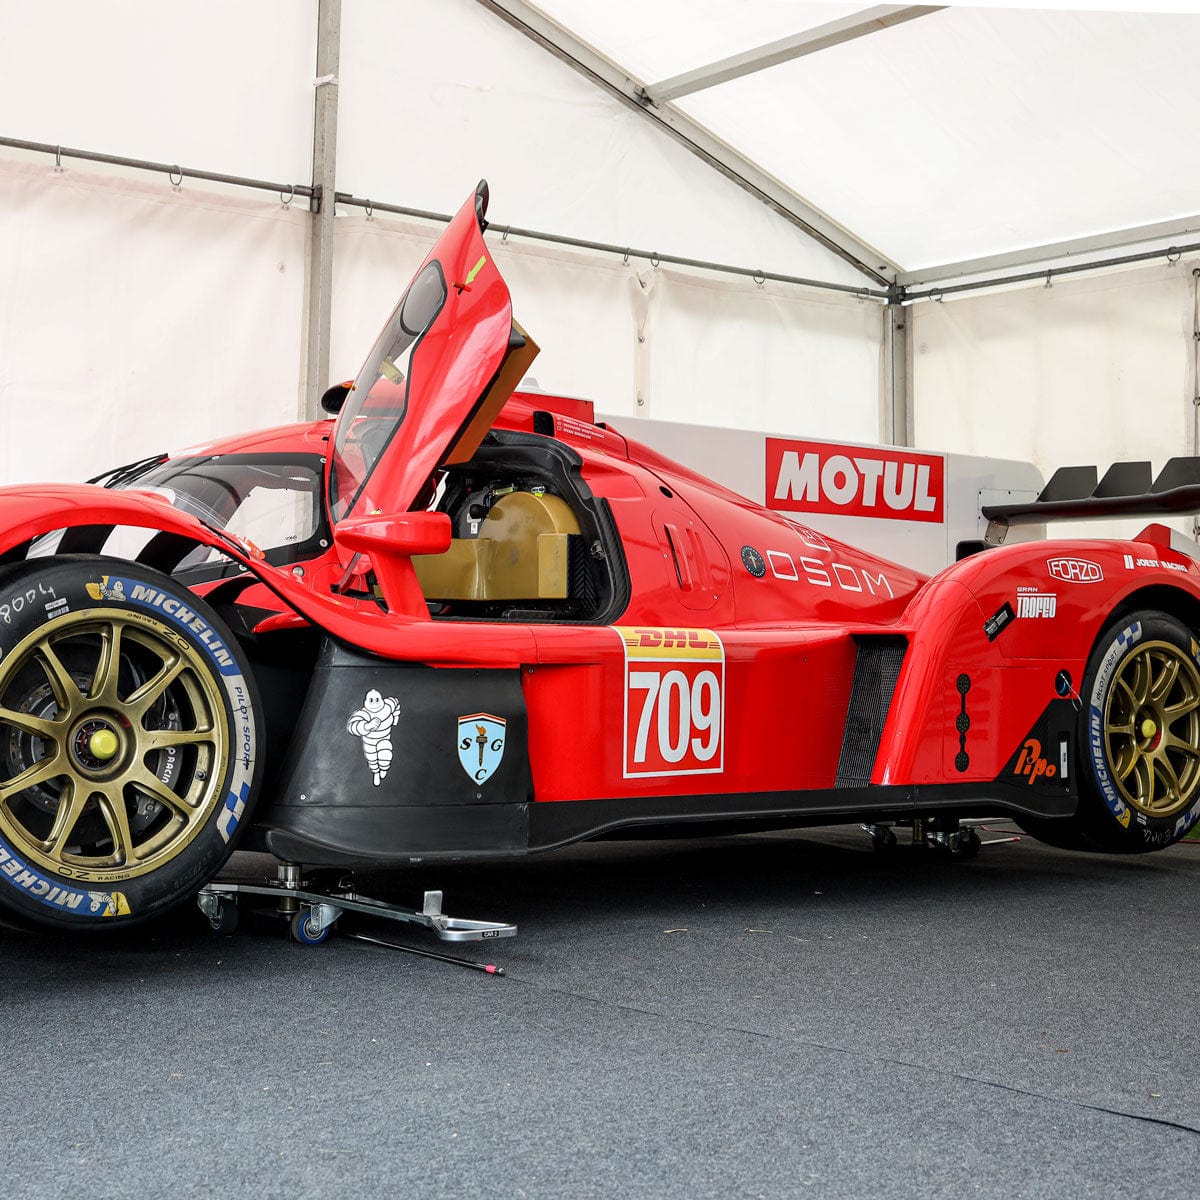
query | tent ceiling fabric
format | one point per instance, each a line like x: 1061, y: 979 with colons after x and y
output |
x: 1012, y: 128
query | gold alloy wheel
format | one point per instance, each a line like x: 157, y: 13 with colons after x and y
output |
x: 113, y: 742
x: 1152, y: 729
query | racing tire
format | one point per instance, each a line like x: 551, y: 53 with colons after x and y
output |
x: 129, y: 743
x: 1139, y: 739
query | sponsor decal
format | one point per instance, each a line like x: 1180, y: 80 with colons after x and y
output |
x: 856, y: 481
x: 995, y: 625
x: 130, y: 591
x: 962, y: 760
x: 809, y: 537
x: 674, y: 701
x: 373, y: 723
x: 57, y: 895
x: 1132, y: 563
x: 1032, y: 763
x: 1096, y: 742
x: 1075, y: 570
x: 481, y: 744
x: 831, y: 575
x: 753, y: 562
x: 1035, y: 605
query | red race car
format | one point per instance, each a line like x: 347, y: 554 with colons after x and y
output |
x: 486, y: 625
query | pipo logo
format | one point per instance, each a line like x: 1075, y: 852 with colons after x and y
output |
x: 1075, y: 570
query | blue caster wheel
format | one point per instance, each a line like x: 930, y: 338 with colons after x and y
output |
x: 304, y: 932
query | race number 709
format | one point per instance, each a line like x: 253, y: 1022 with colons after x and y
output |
x: 675, y: 719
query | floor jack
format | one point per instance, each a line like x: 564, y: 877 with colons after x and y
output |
x: 312, y: 911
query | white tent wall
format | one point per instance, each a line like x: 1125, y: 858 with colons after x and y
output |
x: 135, y: 318
x: 1090, y: 370
x: 221, y: 86
x: 764, y: 357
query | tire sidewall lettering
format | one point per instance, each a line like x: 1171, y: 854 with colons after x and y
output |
x: 72, y: 899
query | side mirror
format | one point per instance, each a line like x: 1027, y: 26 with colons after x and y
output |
x: 335, y: 397
x: 400, y: 535
x: 391, y: 542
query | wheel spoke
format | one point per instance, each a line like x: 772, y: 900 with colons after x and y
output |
x: 66, y: 691
x: 115, y: 812
x: 157, y: 790
x: 1144, y: 772
x: 1141, y: 679
x: 139, y: 701
x: 1161, y: 687
x: 28, y: 723
x: 1170, y: 778
x: 108, y: 668
x: 160, y: 739
x: 41, y: 771
x: 1131, y: 702
x: 1172, y: 712
x: 1181, y: 745
x: 70, y: 808
x: 1123, y: 773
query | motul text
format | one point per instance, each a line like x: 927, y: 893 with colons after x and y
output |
x: 854, y: 482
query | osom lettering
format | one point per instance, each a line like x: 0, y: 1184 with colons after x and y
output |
x: 830, y: 575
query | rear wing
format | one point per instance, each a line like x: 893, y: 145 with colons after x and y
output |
x: 1126, y: 490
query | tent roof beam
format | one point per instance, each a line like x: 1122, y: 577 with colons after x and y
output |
x: 700, y: 141
x: 797, y: 45
x: 1180, y: 228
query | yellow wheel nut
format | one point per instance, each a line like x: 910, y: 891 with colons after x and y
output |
x: 103, y: 744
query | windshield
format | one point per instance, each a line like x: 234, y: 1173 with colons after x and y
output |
x: 376, y: 407
x: 271, y: 500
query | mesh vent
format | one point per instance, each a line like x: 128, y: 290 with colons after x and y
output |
x: 875, y: 672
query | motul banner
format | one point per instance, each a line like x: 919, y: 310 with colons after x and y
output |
x: 855, y: 481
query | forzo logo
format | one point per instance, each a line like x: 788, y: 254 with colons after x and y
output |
x: 1074, y: 570
x: 854, y: 481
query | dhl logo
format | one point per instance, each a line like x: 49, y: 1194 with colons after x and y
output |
x: 643, y: 641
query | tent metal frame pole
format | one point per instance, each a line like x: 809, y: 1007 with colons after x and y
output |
x: 654, y: 257
x: 174, y: 170
x: 319, y: 283
x: 896, y: 426
x: 1174, y: 230
x: 1170, y: 253
x: 700, y: 141
x: 798, y: 45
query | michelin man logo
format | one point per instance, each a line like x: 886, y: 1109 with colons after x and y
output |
x: 105, y: 590
x: 374, y: 723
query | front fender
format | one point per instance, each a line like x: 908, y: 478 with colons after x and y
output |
x: 29, y: 511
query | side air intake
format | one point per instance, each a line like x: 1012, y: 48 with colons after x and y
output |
x: 876, y: 669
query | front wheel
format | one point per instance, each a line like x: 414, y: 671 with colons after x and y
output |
x: 128, y: 742
x: 1140, y: 735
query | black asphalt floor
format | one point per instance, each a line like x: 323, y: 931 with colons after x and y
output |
x: 774, y: 1015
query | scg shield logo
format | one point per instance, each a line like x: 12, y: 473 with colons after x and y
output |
x: 480, y: 744
x: 1075, y: 570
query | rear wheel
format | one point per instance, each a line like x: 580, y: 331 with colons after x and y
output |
x: 128, y: 742
x: 1140, y: 736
